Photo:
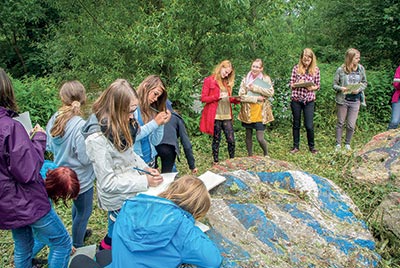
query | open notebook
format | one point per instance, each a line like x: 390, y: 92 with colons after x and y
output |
x: 25, y: 120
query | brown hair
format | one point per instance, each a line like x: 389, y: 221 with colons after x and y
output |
x: 73, y: 95
x: 226, y: 82
x: 149, y: 83
x: 348, y: 59
x: 113, y: 105
x: 7, y: 97
x: 189, y: 193
x: 312, y: 67
x: 62, y: 183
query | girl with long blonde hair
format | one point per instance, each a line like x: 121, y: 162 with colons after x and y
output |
x: 110, y: 133
x: 216, y: 116
x: 304, y: 82
x: 349, y: 83
x: 66, y: 142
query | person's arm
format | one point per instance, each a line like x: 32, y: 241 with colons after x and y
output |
x: 199, y: 250
x: 26, y: 156
x: 266, y: 92
x: 243, y: 93
x: 187, y: 145
x: 363, y: 81
x: 127, y: 181
x: 157, y: 135
x: 293, y: 77
x: 337, y: 82
x: 316, y: 80
x: 208, y: 87
x: 79, y: 146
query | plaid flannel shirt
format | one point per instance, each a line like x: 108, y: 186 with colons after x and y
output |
x: 302, y: 94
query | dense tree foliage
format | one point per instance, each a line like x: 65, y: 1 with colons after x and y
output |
x: 181, y: 40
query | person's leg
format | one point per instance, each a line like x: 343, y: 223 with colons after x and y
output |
x: 83, y: 261
x: 296, y: 113
x: 341, y: 111
x: 51, y: 231
x: 249, y: 141
x: 230, y: 137
x: 216, y: 140
x: 106, y: 243
x: 352, y: 114
x: 395, y: 119
x: 261, y: 140
x: 167, y: 154
x: 309, y: 123
x: 103, y: 257
x: 37, y: 247
x: 83, y: 207
x: 23, y: 244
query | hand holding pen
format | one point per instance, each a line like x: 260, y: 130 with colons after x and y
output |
x: 162, y: 117
x: 154, y: 177
x: 36, y: 129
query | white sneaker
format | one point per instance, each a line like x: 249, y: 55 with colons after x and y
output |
x: 347, y: 146
x: 338, y: 147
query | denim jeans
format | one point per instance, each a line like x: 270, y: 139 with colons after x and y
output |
x: 308, y: 111
x: 112, y: 217
x: 346, y: 112
x: 395, y: 120
x: 48, y: 230
x: 81, y: 210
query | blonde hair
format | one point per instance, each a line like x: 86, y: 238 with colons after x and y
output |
x: 148, y: 84
x: 312, y: 67
x: 189, y: 193
x: 230, y: 80
x: 348, y: 60
x: 113, y: 105
x: 73, y: 95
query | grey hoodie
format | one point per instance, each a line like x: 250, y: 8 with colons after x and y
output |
x: 117, y: 180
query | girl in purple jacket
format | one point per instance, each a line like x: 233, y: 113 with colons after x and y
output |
x: 24, y: 205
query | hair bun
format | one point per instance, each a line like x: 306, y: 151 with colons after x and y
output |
x: 76, y: 104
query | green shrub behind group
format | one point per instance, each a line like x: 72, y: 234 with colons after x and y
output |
x: 39, y: 96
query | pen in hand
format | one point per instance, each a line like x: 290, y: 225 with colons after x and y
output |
x: 144, y: 171
x: 154, y: 109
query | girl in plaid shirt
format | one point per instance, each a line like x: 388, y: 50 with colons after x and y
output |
x: 305, y: 80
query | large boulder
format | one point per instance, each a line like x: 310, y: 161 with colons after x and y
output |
x: 379, y: 160
x: 387, y: 214
x: 286, y: 219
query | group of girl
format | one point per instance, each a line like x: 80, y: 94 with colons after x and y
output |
x: 116, y: 145
x: 256, y: 87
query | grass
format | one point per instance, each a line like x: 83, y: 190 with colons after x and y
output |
x: 327, y: 163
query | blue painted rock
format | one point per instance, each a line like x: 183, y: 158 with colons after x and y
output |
x: 287, y: 219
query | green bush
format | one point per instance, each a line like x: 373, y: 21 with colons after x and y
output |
x: 39, y: 96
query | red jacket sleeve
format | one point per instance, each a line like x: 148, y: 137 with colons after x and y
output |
x: 210, y: 91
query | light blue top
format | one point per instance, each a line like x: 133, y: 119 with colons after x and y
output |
x: 150, y: 131
x: 70, y: 150
x: 154, y: 232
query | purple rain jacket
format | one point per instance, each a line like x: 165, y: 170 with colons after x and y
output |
x: 23, y: 196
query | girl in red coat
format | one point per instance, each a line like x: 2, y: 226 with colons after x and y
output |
x: 217, y: 113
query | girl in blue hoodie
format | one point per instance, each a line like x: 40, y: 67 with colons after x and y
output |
x: 66, y: 142
x: 159, y: 231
